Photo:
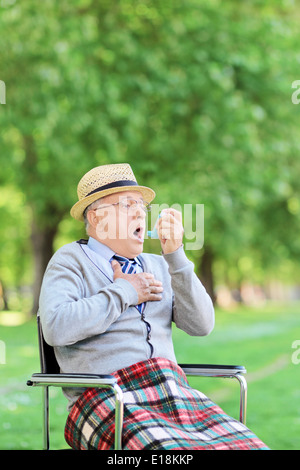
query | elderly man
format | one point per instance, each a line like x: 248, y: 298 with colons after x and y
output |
x: 108, y: 308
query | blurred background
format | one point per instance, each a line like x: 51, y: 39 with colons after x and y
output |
x: 198, y: 97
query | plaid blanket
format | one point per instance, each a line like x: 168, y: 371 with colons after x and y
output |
x: 161, y: 412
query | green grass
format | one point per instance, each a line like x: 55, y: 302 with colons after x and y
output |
x: 260, y: 339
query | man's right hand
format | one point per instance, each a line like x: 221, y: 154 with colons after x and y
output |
x: 147, y: 287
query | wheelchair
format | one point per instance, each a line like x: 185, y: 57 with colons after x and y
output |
x: 50, y: 376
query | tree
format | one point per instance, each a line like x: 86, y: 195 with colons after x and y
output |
x: 193, y: 94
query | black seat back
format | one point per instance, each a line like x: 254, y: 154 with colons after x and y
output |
x: 48, y: 360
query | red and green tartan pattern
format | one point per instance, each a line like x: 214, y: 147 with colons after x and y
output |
x: 161, y: 412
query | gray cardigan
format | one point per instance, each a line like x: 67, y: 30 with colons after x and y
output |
x: 92, y: 321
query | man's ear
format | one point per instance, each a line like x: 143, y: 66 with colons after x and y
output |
x: 92, y: 219
x: 101, y: 222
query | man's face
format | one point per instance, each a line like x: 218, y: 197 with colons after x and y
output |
x: 119, y: 223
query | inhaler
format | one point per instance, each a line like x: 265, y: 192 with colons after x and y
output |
x: 153, y: 233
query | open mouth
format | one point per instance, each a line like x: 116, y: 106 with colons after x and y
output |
x: 139, y: 233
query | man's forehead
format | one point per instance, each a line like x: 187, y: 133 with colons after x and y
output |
x: 122, y: 195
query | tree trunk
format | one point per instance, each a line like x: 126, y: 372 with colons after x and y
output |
x: 42, y: 242
x: 206, y: 272
x: 4, y: 302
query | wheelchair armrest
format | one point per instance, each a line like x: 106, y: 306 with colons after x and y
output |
x: 72, y: 380
x: 212, y: 370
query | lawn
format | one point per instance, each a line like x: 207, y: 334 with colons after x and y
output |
x: 260, y: 339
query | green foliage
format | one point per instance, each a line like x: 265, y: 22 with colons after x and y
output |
x: 15, y: 249
x: 195, y: 95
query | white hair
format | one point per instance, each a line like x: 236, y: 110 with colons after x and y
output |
x: 88, y: 208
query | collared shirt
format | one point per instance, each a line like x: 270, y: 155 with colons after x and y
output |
x: 101, y: 255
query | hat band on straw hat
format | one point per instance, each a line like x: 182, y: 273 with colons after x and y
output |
x: 115, y: 184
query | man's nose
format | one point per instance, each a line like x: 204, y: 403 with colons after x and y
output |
x: 138, y: 211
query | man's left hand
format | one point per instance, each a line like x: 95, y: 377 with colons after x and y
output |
x: 170, y: 230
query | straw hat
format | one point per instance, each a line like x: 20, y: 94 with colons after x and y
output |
x: 104, y: 180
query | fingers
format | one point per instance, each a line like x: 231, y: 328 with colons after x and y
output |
x: 147, y: 287
x: 147, y: 275
x: 170, y: 230
x: 150, y: 296
x: 151, y: 285
x: 114, y: 264
x: 153, y: 293
x: 156, y: 290
x: 116, y: 269
x: 170, y: 225
x: 151, y: 279
x: 170, y: 211
x: 153, y: 297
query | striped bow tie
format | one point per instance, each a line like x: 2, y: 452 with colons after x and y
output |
x: 129, y: 267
